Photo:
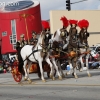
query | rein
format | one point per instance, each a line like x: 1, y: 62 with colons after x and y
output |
x: 27, y: 56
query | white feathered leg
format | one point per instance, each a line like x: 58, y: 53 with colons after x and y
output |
x: 82, y: 64
x: 87, y: 65
x: 56, y: 67
x: 52, y: 68
x: 58, y: 63
x: 41, y: 70
x: 25, y: 70
x: 29, y: 65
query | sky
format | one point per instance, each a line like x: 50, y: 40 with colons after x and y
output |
x: 47, y: 5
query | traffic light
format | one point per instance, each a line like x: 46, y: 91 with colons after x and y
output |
x: 68, y: 5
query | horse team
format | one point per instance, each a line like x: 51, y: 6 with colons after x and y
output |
x: 62, y: 45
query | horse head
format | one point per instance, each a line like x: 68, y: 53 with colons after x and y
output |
x: 44, y: 42
x: 63, y: 33
x: 83, y: 36
x: 55, y: 47
x: 73, y: 34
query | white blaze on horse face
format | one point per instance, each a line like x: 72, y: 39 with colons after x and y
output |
x: 47, y: 35
x: 47, y: 31
x: 73, y: 25
x: 85, y: 33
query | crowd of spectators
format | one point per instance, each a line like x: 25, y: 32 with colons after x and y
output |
x: 6, y: 64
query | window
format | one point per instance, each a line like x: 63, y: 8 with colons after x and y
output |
x: 13, y: 39
x: 13, y: 36
x: 4, y: 33
x: 13, y: 27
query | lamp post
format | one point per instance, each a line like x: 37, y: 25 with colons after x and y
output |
x: 25, y: 16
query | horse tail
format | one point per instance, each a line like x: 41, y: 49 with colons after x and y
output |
x: 21, y: 63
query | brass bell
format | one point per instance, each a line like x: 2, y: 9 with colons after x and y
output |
x: 57, y: 49
x: 62, y: 33
x: 72, y: 54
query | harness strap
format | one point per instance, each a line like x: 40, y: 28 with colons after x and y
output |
x: 34, y: 55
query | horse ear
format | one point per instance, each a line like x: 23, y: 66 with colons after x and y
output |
x: 88, y: 34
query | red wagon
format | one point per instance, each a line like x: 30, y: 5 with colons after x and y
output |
x: 33, y: 69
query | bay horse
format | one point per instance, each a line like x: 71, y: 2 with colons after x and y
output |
x: 85, y: 51
x: 38, y: 55
x: 73, y: 49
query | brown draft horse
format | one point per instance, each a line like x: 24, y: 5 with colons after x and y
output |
x: 73, y: 50
x: 83, y: 37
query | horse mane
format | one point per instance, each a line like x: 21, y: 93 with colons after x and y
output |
x: 40, y: 39
x: 55, y: 34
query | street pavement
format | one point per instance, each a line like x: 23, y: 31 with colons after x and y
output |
x: 83, y: 88
x: 83, y: 79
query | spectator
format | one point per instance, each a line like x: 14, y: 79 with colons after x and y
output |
x: 90, y: 61
x: 95, y: 64
x: 12, y: 60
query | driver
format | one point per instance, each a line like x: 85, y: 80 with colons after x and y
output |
x: 33, y: 40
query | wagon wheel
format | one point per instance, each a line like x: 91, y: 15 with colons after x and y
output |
x: 17, y: 77
x: 15, y: 73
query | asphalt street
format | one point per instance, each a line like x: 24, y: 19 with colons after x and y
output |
x: 83, y: 88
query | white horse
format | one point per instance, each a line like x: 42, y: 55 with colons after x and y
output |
x: 28, y: 55
x: 58, y: 36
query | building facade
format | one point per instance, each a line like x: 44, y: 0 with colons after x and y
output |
x: 16, y: 20
x: 91, y: 15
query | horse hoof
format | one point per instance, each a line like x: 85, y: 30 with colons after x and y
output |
x: 25, y: 79
x: 89, y: 75
x: 44, y: 80
x: 67, y: 73
x: 63, y: 76
x: 76, y: 76
x: 51, y: 76
x: 60, y: 78
x: 80, y: 70
x: 30, y: 81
